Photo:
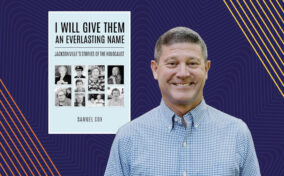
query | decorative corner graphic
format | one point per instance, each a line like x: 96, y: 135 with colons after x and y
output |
x: 21, y: 151
x: 262, y: 25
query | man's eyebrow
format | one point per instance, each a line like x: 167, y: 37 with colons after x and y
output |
x: 195, y: 58
x: 170, y: 58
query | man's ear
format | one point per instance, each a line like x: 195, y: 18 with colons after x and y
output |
x: 207, y: 67
x: 154, y: 67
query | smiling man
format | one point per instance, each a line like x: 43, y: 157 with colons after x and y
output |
x: 183, y: 136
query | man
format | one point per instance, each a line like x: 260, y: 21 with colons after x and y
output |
x: 115, y: 98
x: 63, y: 77
x: 79, y: 71
x: 183, y: 136
x: 79, y: 86
x: 61, y: 99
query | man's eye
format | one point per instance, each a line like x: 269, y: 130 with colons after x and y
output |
x: 171, y: 63
x: 193, y: 63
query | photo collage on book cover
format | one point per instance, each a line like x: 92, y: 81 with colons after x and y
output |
x: 89, y: 85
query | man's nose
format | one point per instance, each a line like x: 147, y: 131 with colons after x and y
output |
x: 183, y: 71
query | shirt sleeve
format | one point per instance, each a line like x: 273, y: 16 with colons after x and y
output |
x: 118, y: 162
x: 249, y: 162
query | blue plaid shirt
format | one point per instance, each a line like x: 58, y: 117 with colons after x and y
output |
x: 158, y: 144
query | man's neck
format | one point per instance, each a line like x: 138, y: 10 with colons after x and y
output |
x: 182, y: 109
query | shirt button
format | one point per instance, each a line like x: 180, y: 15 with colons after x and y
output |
x: 196, y: 125
x: 184, y: 144
x: 184, y: 173
x: 170, y: 127
x: 176, y: 119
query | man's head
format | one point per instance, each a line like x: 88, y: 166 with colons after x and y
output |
x: 79, y: 70
x: 181, y: 66
x: 79, y: 84
x: 61, y: 95
x: 62, y: 70
x: 115, y: 71
x: 99, y: 96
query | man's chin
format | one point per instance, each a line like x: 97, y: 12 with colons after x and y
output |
x: 183, y: 101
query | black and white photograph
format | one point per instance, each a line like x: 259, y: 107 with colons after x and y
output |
x: 96, y: 100
x: 96, y: 81
x: 80, y: 71
x: 79, y: 100
x: 115, y: 74
x: 115, y: 96
x: 63, y: 96
x: 62, y: 74
x: 80, y: 85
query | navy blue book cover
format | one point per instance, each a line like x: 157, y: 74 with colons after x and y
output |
x: 245, y: 46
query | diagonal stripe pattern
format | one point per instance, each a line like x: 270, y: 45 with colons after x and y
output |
x: 262, y: 24
x: 21, y: 151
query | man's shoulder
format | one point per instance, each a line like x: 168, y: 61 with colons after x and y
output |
x: 138, y: 124
x: 224, y: 120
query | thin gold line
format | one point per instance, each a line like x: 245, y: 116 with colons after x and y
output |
x: 276, y: 11
x: 29, y: 127
x: 262, y: 39
x: 267, y: 27
x: 270, y: 21
x: 257, y: 43
x: 254, y: 48
x: 280, y: 6
x: 273, y: 16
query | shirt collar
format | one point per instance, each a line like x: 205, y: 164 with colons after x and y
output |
x: 196, y: 114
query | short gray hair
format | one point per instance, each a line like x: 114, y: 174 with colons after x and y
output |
x: 179, y: 35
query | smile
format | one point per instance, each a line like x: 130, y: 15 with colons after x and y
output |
x: 183, y: 84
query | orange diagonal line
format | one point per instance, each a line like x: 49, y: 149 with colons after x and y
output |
x: 7, y: 164
x: 280, y: 6
x: 253, y: 48
x: 267, y: 27
x: 16, y: 135
x: 20, y: 131
x: 270, y: 21
x: 10, y: 157
x: 257, y: 43
x: 273, y: 16
x: 29, y: 128
x: 13, y: 143
x: 261, y: 38
x: 276, y: 11
x: 3, y: 169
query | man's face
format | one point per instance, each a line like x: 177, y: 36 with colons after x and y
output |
x: 79, y: 72
x: 181, y: 73
x: 79, y: 85
x: 115, y: 71
x: 62, y: 70
x: 61, y: 96
x: 99, y: 97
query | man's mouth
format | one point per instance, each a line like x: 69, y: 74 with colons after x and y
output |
x: 184, y: 84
